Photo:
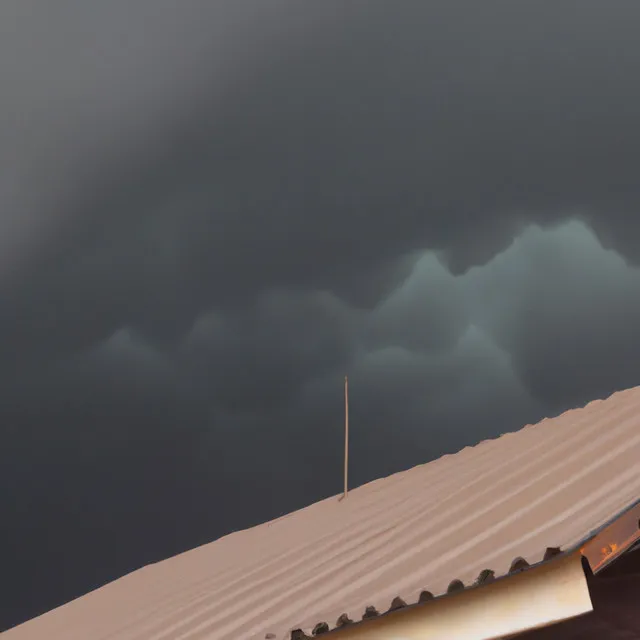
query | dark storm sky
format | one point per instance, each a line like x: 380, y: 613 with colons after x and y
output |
x: 211, y: 211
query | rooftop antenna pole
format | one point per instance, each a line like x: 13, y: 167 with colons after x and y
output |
x: 346, y: 436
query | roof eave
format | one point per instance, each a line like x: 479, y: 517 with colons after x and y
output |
x: 543, y: 595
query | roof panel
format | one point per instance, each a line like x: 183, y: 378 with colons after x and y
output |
x: 455, y: 518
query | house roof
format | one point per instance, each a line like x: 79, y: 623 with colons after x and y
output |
x: 430, y: 528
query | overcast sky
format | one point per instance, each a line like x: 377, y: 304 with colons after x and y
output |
x: 210, y: 212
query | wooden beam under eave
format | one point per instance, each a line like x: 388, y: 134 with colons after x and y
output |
x: 538, y: 597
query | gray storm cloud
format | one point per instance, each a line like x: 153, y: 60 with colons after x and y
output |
x: 211, y: 212
x: 320, y: 145
x: 565, y: 308
x: 87, y: 90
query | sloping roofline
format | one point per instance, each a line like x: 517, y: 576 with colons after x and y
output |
x: 428, y: 530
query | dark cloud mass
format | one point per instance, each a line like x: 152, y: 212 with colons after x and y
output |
x: 210, y: 212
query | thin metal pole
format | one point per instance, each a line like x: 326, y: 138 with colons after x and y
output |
x: 346, y: 436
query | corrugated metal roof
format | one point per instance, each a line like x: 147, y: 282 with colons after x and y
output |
x: 454, y: 519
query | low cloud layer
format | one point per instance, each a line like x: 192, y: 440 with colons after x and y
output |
x: 212, y: 213
x: 240, y: 419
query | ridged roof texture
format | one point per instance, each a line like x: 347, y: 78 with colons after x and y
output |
x: 547, y: 485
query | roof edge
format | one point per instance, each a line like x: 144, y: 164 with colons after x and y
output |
x: 540, y: 596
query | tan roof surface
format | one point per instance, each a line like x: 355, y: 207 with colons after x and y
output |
x: 547, y: 485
